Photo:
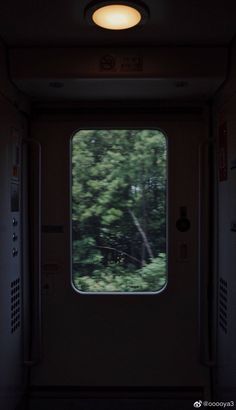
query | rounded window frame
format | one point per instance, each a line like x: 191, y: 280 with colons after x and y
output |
x: 122, y: 293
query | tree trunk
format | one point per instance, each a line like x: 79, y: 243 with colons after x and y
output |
x: 142, y: 233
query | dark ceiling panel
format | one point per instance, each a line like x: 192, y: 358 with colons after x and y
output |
x: 148, y: 73
x: 172, y: 22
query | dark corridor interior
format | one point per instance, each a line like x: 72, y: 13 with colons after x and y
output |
x: 117, y: 204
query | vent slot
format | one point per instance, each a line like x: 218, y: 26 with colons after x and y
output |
x: 15, y: 305
x: 223, y: 305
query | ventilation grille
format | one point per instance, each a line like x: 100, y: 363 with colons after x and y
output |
x: 15, y: 305
x: 223, y: 305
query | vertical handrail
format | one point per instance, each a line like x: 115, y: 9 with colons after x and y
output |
x: 206, y: 356
x: 36, y: 350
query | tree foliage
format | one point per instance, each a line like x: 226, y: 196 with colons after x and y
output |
x: 119, y: 210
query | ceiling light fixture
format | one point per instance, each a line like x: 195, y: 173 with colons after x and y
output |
x: 119, y: 15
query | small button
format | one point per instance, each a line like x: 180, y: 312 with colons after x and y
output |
x: 14, y: 252
x: 14, y: 222
x: 14, y: 237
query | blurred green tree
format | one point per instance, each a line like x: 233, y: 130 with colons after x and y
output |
x: 119, y: 210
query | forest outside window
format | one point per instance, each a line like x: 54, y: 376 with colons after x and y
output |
x: 119, y: 180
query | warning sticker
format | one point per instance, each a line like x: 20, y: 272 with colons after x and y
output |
x: 121, y: 64
x: 108, y: 63
x: 131, y: 64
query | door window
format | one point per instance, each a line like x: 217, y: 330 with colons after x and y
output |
x: 119, y: 183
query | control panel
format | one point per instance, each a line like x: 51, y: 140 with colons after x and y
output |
x: 15, y: 199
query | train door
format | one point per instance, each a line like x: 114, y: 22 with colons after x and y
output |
x: 126, y: 340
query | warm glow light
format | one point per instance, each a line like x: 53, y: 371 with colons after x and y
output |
x: 116, y: 17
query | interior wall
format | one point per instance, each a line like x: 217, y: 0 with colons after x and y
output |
x: 225, y: 130
x: 13, y: 127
